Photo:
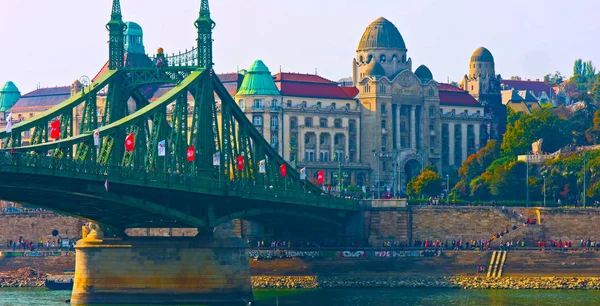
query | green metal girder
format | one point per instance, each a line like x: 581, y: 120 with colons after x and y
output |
x: 106, y: 150
x: 113, y: 127
x: 152, y: 150
x: 63, y: 107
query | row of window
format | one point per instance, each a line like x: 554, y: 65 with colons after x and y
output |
x: 259, y: 105
x: 382, y: 58
x: 323, y: 122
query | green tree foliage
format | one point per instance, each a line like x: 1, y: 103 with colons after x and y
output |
x: 427, y: 183
x: 553, y: 79
x: 474, y: 166
x: 529, y: 128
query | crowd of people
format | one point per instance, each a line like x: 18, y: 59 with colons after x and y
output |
x: 39, y: 245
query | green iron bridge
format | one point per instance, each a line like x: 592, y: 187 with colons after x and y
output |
x: 68, y: 174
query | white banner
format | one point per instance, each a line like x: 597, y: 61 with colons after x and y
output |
x: 303, y: 173
x: 261, y: 166
x: 96, y: 138
x: 162, y: 150
x: 217, y: 159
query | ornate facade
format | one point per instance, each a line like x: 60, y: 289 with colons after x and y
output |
x: 312, y: 122
x: 400, y: 108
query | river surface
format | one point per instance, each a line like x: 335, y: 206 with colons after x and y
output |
x: 359, y: 297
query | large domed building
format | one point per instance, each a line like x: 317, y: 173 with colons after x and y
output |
x: 400, y: 107
x: 409, y: 120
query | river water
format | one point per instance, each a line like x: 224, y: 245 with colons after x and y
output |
x: 359, y: 297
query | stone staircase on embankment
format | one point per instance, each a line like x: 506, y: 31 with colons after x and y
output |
x: 531, y: 234
x: 497, y: 264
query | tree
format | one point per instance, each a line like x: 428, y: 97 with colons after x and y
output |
x: 529, y: 128
x: 553, y: 79
x: 428, y: 183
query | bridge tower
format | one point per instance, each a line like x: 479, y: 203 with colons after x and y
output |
x: 204, y: 142
x: 116, y: 43
x: 205, y: 25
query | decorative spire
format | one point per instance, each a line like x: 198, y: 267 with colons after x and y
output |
x: 116, y: 44
x: 116, y: 10
x: 205, y: 25
x: 204, y: 9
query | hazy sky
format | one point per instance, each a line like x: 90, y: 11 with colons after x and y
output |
x: 55, y: 42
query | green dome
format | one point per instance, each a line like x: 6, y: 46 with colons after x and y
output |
x: 9, y: 95
x: 374, y: 69
x: 258, y: 81
x: 424, y: 74
x: 134, y: 38
x: 381, y: 34
x: 482, y: 55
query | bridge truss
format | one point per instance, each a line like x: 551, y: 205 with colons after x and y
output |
x: 206, y: 143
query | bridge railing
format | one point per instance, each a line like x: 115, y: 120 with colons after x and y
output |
x: 49, y: 165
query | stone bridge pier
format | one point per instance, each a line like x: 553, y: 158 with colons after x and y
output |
x: 210, y: 268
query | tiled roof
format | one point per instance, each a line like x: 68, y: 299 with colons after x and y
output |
x: 229, y: 77
x: 42, y: 99
x: 301, y: 77
x: 449, y: 87
x: 450, y: 95
x: 301, y: 89
x: 313, y: 86
x: 536, y: 86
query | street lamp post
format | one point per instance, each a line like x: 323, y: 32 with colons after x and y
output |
x: 544, y: 190
x: 527, y: 180
x: 447, y: 188
x: 584, y: 156
x: 378, y: 178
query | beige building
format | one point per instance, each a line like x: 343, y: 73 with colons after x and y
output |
x: 465, y: 126
x: 400, y: 119
x: 313, y: 122
x: 520, y: 100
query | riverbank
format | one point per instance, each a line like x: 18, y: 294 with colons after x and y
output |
x: 30, y: 278
x: 457, y: 282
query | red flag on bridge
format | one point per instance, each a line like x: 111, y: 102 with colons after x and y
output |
x: 321, y: 177
x: 283, y: 170
x: 129, y: 142
x: 55, y: 129
x: 190, y: 154
x: 240, y: 163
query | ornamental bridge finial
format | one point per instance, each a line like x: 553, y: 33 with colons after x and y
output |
x: 205, y: 25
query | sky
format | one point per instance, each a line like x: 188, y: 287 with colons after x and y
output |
x: 53, y: 43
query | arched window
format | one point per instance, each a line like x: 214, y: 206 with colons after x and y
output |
x: 394, y: 58
x: 242, y: 104
x: 383, y: 124
x: 308, y: 122
x: 274, y: 122
x: 361, y: 59
x: 257, y: 120
x: 293, y: 122
x: 369, y: 58
x: 404, y: 58
x: 323, y: 122
x: 382, y: 58
x: 337, y: 123
x: 431, y: 92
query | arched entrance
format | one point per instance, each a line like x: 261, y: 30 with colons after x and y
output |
x: 411, y: 169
